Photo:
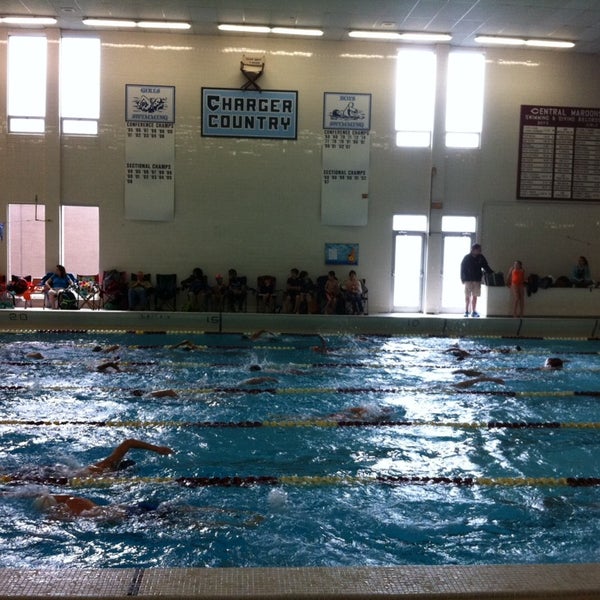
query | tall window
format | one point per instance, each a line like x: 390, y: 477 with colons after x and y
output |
x: 415, y: 98
x: 26, y: 240
x: 464, y: 99
x: 26, y: 102
x: 79, y: 85
x: 80, y: 236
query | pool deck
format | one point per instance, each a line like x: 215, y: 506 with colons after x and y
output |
x: 494, y: 582
x: 380, y: 324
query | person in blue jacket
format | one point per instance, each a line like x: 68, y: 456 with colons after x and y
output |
x: 472, y: 268
x: 56, y: 282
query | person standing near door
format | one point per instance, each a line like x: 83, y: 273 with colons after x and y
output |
x: 472, y: 268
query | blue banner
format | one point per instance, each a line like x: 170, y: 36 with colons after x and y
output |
x: 249, y: 114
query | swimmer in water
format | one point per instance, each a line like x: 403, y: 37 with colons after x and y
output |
x: 258, y: 334
x: 259, y: 380
x: 67, y: 507
x: 186, y: 345
x: 554, y: 363
x: 363, y: 413
x: 115, y: 461
x: 322, y: 348
x: 109, y: 364
x: 470, y: 382
x: 106, y: 350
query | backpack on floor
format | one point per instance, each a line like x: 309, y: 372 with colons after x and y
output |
x: 67, y: 301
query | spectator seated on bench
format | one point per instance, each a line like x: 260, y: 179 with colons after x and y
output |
x: 197, y: 289
x: 266, y: 293
x: 353, y: 292
x: 140, y: 290
x: 237, y: 292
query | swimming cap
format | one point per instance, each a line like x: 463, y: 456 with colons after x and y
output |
x: 44, y: 502
x: 554, y: 363
x: 125, y: 464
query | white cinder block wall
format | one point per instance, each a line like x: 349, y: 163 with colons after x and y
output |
x: 255, y: 204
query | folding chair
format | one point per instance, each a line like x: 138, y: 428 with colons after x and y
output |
x: 165, y: 291
x: 113, y: 290
x: 88, y: 291
x: 20, y: 290
x: 6, y: 298
x: 252, y: 68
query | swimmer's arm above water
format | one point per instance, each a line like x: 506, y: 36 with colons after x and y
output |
x: 112, y: 461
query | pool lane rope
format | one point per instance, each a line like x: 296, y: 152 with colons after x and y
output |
x: 324, y: 390
x: 310, y: 481
x: 305, y: 423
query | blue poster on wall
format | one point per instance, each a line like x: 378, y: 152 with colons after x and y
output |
x: 249, y: 114
x: 341, y: 254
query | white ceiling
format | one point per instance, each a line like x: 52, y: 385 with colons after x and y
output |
x: 574, y: 20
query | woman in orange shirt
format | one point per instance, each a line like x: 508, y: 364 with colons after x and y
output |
x: 515, y: 280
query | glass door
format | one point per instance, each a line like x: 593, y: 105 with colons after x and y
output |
x: 408, y: 272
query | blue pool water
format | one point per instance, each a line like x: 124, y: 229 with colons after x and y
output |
x: 287, y: 472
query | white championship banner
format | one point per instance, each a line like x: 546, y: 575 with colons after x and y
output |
x: 150, y: 153
x: 346, y: 156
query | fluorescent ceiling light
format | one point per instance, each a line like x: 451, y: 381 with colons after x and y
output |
x: 514, y: 41
x: 245, y: 28
x: 409, y: 36
x: 129, y: 23
x: 265, y: 29
x: 549, y: 43
x: 109, y: 23
x: 28, y: 20
x: 296, y: 31
x: 164, y: 25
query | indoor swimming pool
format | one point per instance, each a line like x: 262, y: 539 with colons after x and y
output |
x: 299, y: 450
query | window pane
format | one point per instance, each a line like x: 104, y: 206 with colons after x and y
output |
x: 26, y: 125
x: 80, y: 78
x: 464, y: 95
x: 459, y: 224
x: 413, y: 139
x: 415, y: 95
x: 79, y: 127
x: 410, y: 223
x: 463, y: 140
x: 26, y: 77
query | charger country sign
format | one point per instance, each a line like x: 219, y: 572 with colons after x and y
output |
x: 249, y: 113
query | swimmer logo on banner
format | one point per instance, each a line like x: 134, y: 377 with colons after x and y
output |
x: 346, y: 157
x: 150, y: 152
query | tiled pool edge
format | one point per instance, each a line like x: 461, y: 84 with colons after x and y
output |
x: 493, y: 582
